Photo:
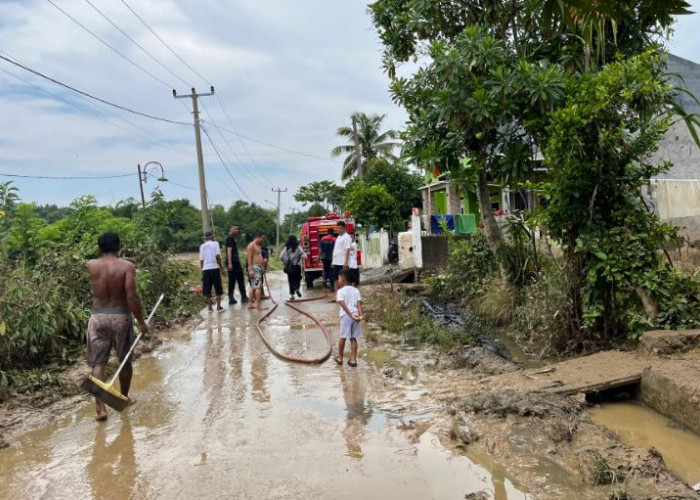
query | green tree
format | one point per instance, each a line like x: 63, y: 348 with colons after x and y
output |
x: 326, y: 193
x: 398, y: 180
x: 597, y: 150
x: 252, y: 218
x: 372, y: 141
x: 372, y: 205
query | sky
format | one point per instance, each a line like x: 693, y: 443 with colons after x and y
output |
x: 286, y: 74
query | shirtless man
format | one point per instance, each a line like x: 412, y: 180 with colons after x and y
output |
x: 114, y: 300
x: 256, y: 264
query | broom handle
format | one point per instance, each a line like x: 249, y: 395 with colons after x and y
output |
x: 133, y: 346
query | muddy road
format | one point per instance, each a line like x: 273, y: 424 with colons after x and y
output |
x: 218, y: 416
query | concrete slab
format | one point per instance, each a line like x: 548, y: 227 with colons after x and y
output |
x: 667, y: 342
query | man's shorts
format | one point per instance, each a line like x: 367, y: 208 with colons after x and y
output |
x: 354, y: 276
x: 108, y: 328
x: 349, y: 328
x: 257, y: 280
x: 211, y: 277
x: 335, y: 272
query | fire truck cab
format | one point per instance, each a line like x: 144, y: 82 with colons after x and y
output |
x: 312, y: 231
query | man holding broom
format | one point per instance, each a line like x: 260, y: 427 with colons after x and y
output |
x: 114, y: 300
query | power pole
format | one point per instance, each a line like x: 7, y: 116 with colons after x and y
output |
x: 358, y: 148
x: 279, y: 191
x: 291, y: 221
x: 206, y: 226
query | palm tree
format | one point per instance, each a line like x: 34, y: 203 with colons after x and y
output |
x: 373, y: 144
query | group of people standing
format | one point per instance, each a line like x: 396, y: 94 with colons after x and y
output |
x: 257, y: 258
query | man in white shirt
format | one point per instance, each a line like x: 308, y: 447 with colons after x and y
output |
x: 341, y: 252
x: 210, y: 262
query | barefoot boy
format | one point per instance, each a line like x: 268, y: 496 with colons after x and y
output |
x: 350, y: 302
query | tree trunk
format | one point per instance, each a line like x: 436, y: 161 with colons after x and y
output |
x: 493, y: 233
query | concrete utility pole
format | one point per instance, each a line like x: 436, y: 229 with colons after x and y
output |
x: 279, y: 191
x: 358, y: 148
x: 206, y: 226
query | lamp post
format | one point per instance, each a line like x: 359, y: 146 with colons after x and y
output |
x: 143, y: 176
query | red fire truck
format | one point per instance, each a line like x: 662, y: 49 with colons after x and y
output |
x: 312, y: 231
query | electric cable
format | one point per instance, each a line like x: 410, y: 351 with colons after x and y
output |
x: 109, y: 46
x: 148, y: 136
x: 228, y: 118
x: 251, y: 174
x: 224, y: 164
x: 274, y: 146
x: 164, y: 43
x: 106, y: 18
x: 4, y: 56
x: 66, y: 178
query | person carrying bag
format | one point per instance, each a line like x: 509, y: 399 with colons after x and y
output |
x: 292, y: 255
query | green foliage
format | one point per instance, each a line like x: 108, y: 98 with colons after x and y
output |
x: 597, y: 148
x: 325, y: 193
x: 373, y: 143
x: 45, y: 297
x: 372, y: 205
x: 399, y: 181
x: 252, y: 219
x: 470, y: 266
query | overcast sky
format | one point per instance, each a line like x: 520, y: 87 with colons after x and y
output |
x: 288, y: 73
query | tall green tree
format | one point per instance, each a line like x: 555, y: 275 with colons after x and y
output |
x: 372, y: 205
x: 326, y: 193
x: 373, y: 143
x: 399, y: 181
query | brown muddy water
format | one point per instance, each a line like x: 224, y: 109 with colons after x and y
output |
x: 641, y: 427
x: 219, y: 417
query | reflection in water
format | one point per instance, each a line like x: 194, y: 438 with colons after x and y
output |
x: 358, y: 413
x: 258, y: 372
x: 112, y: 469
x: 214, y: 371
x: 236, y: 363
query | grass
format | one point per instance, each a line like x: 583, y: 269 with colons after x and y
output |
x: 400, y: 315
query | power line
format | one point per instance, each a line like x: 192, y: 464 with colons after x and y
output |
x: 5, y: 57
x: 228, y: 118
x: 251, y: 175
x: 135, y: 42
x: 234, y: 131
x: 182, y: 185
x: 147, y: 136
x: 108, y: 45
x: 224, y: 164
x: 164, y: 43
x: 67, y: 177
x: 274, y: 146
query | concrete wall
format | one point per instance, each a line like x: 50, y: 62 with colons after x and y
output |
x: 375, y: 250
x: 678, y: 146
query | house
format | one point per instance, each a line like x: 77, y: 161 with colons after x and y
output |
x: 674, y: 195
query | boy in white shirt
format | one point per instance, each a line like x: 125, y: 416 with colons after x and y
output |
x: 350, y: 302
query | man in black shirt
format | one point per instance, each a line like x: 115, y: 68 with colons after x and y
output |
x: 235, y: 271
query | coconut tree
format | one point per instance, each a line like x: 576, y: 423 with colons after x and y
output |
x: 365, y: 135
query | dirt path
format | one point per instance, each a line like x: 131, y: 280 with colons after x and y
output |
x: 220, y: 417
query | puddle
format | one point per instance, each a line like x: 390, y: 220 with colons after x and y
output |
x: 219, y: 417
x: 640, y: 427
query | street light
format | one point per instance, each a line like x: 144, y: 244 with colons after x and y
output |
x: 143, y: 177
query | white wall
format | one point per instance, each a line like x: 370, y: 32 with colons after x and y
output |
x: 375, y: 250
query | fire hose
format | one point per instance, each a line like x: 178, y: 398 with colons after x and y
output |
x: 309, y: 315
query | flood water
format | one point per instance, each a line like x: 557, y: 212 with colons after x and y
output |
x: 641, y: 427
x: 218, y: 416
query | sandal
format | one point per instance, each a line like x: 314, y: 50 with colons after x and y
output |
x: 338, y: 361
x: 352, y: 364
